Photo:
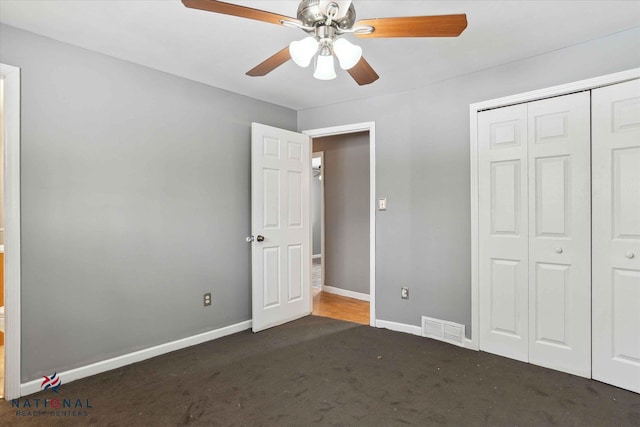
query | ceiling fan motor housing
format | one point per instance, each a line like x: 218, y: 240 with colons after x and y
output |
x: 311, y: 14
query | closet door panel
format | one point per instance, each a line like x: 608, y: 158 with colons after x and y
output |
x: 503, y: 231
x: 616, y: 235
x: 559, y: 233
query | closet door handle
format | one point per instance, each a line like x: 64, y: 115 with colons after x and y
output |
x: 630, y: 255
x: 559, y: 250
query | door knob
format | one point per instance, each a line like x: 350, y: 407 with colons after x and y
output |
x: 630, y: 255
x: 249, y: 239
x: 260, y: 238
x: 558, y: 250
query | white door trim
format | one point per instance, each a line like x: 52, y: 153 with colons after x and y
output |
x: 535, y: 95
x: 371, y: 128
x: 11, y: 79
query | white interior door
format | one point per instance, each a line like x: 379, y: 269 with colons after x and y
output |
x: 503, y: 295
x: 280, y: 222
x: 616, y: 235
x: 559, y: 233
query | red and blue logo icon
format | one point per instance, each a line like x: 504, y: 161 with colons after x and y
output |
x: 53, y: 382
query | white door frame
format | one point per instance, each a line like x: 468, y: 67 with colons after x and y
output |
x: 371, y: 128
x: 474, y: 109
x: 11, y: 79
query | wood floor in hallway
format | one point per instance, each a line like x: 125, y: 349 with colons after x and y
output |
x: 339, y: 307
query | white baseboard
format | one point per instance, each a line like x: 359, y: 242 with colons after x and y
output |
x: 470, y: 344
x: 345, y: 293
x: 137, y: 356
x: 399, y: 327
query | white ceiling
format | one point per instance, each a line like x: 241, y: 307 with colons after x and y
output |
x: 218, y: 49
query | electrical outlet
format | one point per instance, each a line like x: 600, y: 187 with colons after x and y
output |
x: 207, y: 299
x: 404, y: 292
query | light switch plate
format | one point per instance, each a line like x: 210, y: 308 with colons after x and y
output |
x: 382, y: 204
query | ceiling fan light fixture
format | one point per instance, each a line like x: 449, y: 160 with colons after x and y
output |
x: 348, y: 53
x: 324, y: 68
x: 303, y: 51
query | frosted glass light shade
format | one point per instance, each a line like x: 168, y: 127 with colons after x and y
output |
x: 302, y: 51
x: 348, y: 53
x: 324, y: 68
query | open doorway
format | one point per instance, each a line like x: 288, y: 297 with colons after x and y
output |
x: 317, y: 226
x: 342, y: 202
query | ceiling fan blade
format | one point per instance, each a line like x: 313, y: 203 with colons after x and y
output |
x: 237, y: 10
x: 415, y: 26
x: 362, y: 73
x: 270, y: 63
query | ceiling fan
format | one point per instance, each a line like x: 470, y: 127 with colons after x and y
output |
x: 326, y: 22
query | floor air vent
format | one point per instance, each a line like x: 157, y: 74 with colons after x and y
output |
x: 442, y: 330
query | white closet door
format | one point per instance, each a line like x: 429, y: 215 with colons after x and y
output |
x: 559, y: 233
x: 616, y: 235
x: 502, y: 149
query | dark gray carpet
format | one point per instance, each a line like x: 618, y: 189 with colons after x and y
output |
x: 327, y: 372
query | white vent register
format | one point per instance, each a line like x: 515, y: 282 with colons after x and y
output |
x: 443, y: 330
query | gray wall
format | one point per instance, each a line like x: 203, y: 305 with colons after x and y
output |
x: 346, y: 210
x: 135, y: 202
x: 422, y: 167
